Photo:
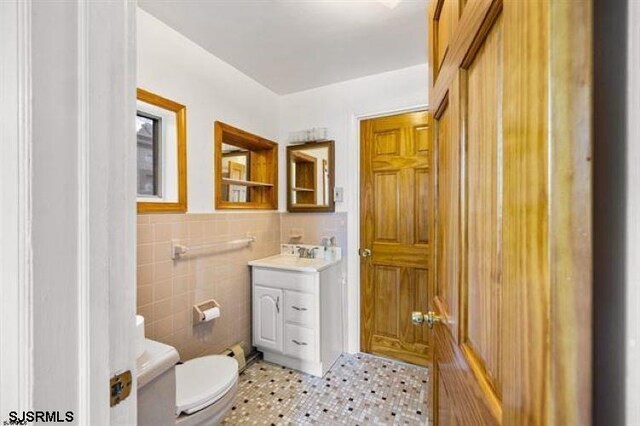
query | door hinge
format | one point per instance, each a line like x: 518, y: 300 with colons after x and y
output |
x: 120, y: 387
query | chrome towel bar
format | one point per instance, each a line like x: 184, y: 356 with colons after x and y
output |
x: 178, y: 250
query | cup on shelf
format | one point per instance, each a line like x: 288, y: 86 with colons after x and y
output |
x: 319, y: 133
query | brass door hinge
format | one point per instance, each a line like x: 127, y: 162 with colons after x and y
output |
x: 120, y: 387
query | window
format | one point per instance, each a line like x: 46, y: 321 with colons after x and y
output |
x: 149, y: 139
x: 161, y: 145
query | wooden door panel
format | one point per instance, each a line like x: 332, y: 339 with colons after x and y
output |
x: 424, y: 295
x: 408, y: 333
x: 399, y: 292
x: 482, y: 297
x: 395, y: 206
x: 442, y: 31
x: 442, y: 412
x: 443, y: 23
x: 465, y: 341
x: 448, y: 219
x: 387, y: 294
x: 400, y: 255
x: 386, y: 143
x: 476, y: 17
x: 422, y: 184
x: 464, y: 401
x: 387, y: 194
x: 422, y: 138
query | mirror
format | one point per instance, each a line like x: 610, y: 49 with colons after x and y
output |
x: 236, y: 166
x: 161, y: 154
x: 310, y: 177
x: 246, y: 169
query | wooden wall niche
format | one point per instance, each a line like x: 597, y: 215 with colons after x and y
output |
x: 246, y: 170
x: 162, y: 154
x: 310, y: 177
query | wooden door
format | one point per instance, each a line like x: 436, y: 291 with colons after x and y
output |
x: 237, y: 171
x: 267, y: 318
x: 306, y: 175
x: 511, y: 139
x: 395, y: 206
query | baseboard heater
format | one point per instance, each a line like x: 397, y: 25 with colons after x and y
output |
x: 237, y: 352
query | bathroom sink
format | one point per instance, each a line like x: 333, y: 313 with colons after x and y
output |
x: 294, y: 263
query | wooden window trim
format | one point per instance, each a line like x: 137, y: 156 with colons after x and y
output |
x: 181, y: 129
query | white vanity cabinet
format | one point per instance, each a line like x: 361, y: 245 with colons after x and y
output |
x: 297, y: 314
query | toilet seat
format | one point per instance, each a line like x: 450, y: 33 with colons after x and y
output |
x: 202, y: 381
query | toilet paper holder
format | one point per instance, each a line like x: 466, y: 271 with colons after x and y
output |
x: 201, y: 310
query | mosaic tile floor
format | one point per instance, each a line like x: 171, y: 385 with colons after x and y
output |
x: 359, y: 390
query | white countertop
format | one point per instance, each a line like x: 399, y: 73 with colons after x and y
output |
x: 288, y: 262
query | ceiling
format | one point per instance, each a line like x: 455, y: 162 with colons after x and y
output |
x: 293, y: 45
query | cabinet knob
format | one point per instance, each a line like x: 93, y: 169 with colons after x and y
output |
x: 297, y: 308
x: 299, y: 343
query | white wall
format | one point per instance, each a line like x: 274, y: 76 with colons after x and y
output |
x: 335, y: 106
x: 174, y: 67
x: 339, y: 107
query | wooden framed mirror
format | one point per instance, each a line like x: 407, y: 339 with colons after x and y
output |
x: 310, y: 177
x: 246, y: 170
x: 161, y: 138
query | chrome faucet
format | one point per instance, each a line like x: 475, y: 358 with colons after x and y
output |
x: 325, y: 243
x: 307, y: 253
x: 328, y: 242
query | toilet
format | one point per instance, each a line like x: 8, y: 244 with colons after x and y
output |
x: 205, y: 389
x: 198, y: 392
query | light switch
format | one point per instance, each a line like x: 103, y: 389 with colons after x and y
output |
x: 338, y: 194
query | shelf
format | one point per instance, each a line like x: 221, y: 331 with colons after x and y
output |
x: 227, y: 181
x: 307, y: 205
x: 303, y: 189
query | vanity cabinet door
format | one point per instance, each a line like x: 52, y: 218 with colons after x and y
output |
x: 267, y: 318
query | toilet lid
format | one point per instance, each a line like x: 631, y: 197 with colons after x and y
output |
x: 202, y: 381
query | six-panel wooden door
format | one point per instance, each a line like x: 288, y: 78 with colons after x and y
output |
x: 395, y: 207
x: 511, y: 99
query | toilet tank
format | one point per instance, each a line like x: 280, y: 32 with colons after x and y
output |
x: 156, y: 374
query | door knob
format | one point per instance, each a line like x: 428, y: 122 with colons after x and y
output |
x: 430, y: 318
x: 364, y: 252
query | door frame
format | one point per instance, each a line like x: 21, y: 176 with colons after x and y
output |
x: 353, y: 313
x: 68, y: 277
x: 633, y: 215
x: 16, y: 279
